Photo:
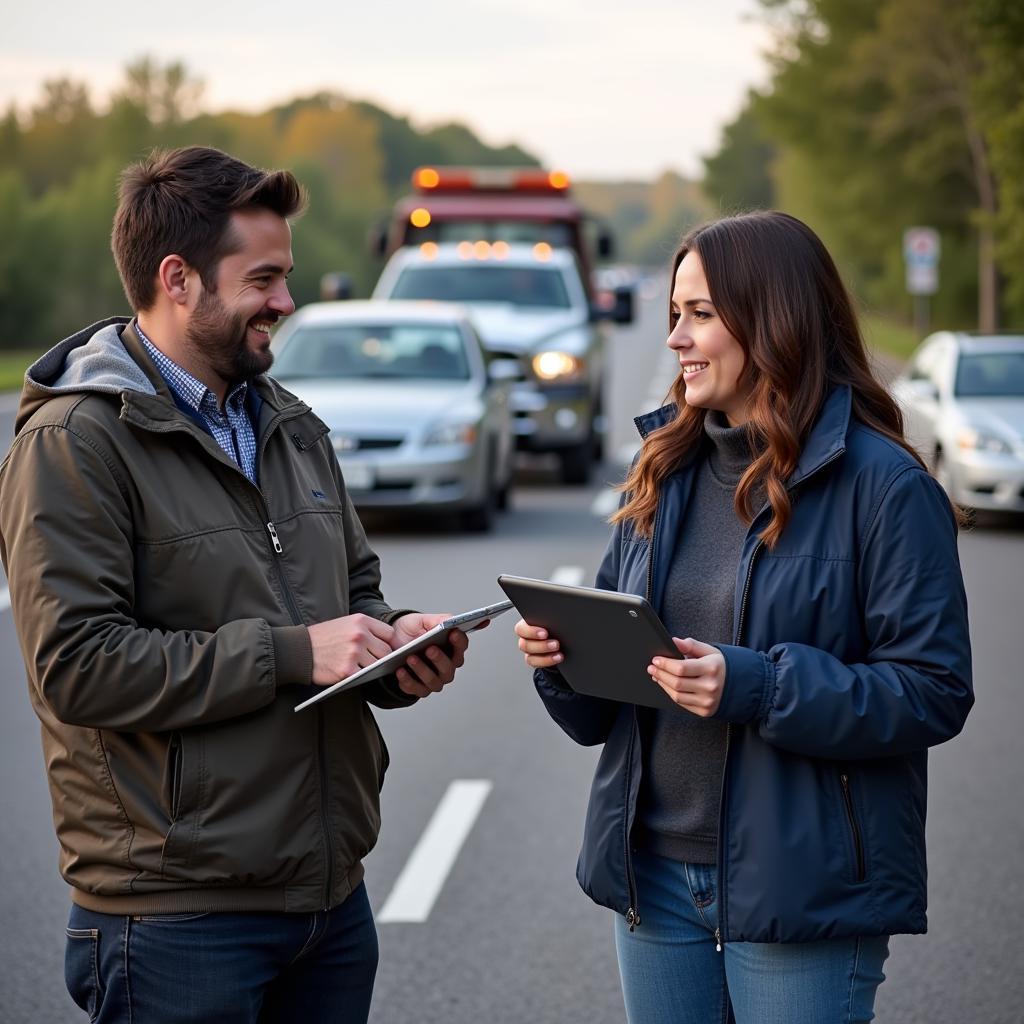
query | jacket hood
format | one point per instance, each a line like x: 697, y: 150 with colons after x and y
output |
x: 105, y: 359
x: 94, y: 359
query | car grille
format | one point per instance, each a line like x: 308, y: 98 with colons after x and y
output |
x: 364, y: 444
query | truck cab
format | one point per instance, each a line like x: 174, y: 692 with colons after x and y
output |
x: 518, y: 205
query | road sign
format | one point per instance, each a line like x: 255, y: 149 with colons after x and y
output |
x: 921, y: 250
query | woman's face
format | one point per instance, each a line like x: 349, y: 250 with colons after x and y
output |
x: 711, y: 359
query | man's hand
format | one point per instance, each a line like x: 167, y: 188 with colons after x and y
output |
x: 695, y: 681
x: 421, y: 677
x: 342, y: 646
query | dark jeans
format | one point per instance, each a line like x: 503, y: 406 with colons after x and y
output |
x: 230, y: 968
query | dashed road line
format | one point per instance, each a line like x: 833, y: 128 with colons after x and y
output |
x: 433, y: 857
x: 569, y: 575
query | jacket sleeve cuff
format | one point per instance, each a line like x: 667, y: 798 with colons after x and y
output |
x: 293, y: 655
x: 552, y: 681
x: 749, y: 684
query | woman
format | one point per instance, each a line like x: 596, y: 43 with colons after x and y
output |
x: 763, y: 841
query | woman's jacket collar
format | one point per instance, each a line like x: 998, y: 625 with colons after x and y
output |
x: 826, y: 441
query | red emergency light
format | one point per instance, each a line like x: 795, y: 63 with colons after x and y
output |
x: 489, y: 179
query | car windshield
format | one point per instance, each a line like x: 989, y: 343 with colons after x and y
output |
x: 990, y: 375
x: 541, y: 287
x: 411, y: 351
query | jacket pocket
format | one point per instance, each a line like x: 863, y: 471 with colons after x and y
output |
x: 181, y: 790
x: 384, y: 757
x: 81, y: 969
x: 856, y: 836
x: 172, y: 782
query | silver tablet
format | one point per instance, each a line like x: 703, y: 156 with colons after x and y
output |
x: 607, y: 639
x: 466, y: 621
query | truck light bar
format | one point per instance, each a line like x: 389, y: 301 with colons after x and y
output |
x: 489, y: 179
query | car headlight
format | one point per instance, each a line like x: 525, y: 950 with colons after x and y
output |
x: 554, y: 365
x: 973, y: 439
x: 452, y: 433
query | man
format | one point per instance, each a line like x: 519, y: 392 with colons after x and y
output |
x: 185, y: 566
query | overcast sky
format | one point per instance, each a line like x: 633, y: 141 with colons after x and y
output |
x: 601, y: 88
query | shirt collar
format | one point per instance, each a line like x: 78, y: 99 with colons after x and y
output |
x: 193, y: 392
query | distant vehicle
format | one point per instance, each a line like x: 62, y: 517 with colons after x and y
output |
x: 962, y: 398
x: 539, y: 327
x: 415, y: 419
x: 517, y: 205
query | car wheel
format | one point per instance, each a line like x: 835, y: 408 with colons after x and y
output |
x: 480, y: 518
x: 503, y: 497
x: 576, y: 462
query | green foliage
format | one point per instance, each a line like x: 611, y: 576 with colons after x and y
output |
x: 59, y: 167
x: 883, y: 114
x: 739, y: 176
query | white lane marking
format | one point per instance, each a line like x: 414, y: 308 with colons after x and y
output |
x: 606, y: 502
x: 5, y: 598
x: 433, y: 857
x: 569, y: 575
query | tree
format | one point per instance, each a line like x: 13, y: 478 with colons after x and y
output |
x: 739, y: 175
x: 870, y: 107
x: 998, y: 28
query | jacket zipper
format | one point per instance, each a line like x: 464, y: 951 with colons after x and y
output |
x: 275, y: 540
x: 293, y: 610
x: 722, y: 894
x: 725, y: 763
x: 858, y: 844
x: 633, y: 913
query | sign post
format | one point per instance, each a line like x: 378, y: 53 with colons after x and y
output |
x: 921, y: 250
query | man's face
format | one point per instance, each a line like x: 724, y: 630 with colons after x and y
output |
x: 229, y: 329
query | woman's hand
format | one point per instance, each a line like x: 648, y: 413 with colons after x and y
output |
x: 695, y: 681
x: 540, y: 650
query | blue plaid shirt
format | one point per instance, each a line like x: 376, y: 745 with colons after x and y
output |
x: 231, y: 429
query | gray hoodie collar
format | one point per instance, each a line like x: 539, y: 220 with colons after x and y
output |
x: 94, y: 359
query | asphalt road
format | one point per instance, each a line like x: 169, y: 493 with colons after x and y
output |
x: 510, y: 938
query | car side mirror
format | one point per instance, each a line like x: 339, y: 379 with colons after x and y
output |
x: 920, y: 387
x: 500, y: 371
x: 615, y: 305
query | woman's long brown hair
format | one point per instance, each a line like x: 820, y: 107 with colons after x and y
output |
x: 779, y: 294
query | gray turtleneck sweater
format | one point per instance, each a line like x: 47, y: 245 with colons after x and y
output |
x: 683, y: 754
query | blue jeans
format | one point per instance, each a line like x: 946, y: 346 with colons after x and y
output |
x: 230, y: 968
x: 672, y: 974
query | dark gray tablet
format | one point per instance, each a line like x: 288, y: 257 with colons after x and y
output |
x: 466, y: 621
x: 607, y: 639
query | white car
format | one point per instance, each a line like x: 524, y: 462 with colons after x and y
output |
x: 414, y: 416
x: 534, y: 317
x: 962, y: 398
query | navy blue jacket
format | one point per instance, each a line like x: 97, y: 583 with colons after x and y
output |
x: 851, y: 658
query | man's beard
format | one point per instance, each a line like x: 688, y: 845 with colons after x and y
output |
x: 219, y: 339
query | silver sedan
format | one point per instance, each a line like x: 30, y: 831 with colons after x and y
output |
x: 415, y: 417
x: 962, y: 398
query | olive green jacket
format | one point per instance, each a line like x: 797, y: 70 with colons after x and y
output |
x: 164, y: 636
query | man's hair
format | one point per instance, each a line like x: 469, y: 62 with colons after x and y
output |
x: 180, y: 201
